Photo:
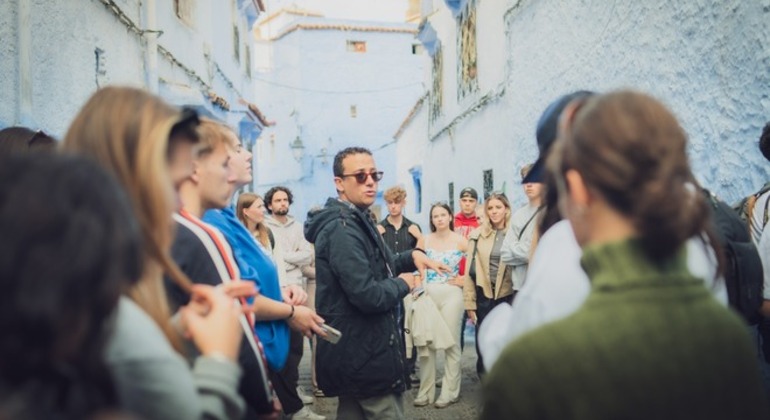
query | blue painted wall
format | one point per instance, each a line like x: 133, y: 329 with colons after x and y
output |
x: 63, y: 37
x: 312, y: 81
x: 709, y: 61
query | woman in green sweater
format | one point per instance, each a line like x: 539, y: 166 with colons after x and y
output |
x: 650, y: 342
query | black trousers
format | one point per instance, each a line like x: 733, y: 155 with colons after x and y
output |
x: 483, y: 307
x: 285, y: 382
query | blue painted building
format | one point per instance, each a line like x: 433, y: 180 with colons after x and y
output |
x: 496, y: 65
x: 198, y: 53
x: 332, y: 84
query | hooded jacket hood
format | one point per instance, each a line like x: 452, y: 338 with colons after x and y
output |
x: 318, y: 219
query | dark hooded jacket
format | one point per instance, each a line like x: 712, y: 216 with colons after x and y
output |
x: 357, y: 292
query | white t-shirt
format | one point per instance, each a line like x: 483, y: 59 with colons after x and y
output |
x: 757, y: 222
x: 764, y: 254
x: 557, y: 286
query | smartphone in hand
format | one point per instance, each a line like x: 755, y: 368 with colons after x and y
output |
x: 332, y: 335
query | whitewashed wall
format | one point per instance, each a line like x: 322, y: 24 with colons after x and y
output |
x: 312, y: 74
x: 60, y: 39
x: 707, y: 60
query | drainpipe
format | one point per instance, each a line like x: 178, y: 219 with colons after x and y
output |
x: 24, y: 67
x: 151, y: 50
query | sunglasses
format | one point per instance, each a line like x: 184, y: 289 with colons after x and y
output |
x: 362, y: 176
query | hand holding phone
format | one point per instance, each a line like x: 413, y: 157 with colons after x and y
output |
x: 332, y: 335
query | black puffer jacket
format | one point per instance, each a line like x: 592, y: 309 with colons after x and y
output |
x: 358, y: 294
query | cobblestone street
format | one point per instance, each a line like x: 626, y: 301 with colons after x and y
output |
x: 467, y: 408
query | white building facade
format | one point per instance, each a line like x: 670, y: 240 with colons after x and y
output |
x: 194, y: 53
x: 332, y: 84
x: 497, y: 64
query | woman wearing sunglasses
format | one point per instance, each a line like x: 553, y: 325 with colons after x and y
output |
x: 445, y: 245
x: 650, y: 341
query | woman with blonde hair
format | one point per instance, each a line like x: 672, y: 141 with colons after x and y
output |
x: 487, y: 282
x: 650, y: 341
x: 147, y: 145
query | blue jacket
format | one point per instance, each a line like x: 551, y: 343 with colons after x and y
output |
x: 256, y: 266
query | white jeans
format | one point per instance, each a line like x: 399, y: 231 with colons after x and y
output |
x: 449, y: 302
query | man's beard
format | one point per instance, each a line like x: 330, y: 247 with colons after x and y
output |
x: 281, y: 212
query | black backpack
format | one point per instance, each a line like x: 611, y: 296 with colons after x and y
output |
x: 743, y: 268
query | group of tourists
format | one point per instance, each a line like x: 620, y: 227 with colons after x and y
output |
x: 607, y: 293
x: 136, y: 288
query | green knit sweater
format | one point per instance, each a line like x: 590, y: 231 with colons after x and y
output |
x: 650, y: 342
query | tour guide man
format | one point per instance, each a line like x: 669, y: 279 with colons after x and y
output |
x: 360, y: 284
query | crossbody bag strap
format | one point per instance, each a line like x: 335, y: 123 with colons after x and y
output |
x: 521, y: 232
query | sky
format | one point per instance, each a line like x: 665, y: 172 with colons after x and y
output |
x: 380, y: 10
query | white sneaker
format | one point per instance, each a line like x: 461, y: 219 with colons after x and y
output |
x: 306, y: 399
x: 306, y: 414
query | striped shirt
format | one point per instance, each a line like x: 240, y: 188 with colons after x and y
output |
x: 399, y: 240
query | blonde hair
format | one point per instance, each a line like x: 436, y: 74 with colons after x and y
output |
x: 507, y: 204
x: 396, y: 194
x: 127, y: 131
x: 245, y: 201
x: 213, y: 134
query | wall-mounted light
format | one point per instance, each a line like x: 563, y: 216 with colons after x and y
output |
x: 297, y: 149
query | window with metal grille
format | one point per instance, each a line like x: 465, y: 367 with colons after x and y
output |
x: 467, y: 80
x: 436, y: 98
x: 489, y: 183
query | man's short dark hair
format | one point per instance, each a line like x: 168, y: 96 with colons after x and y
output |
x: 271, y: 192
x: 764, y: 141
x: 342, y: 154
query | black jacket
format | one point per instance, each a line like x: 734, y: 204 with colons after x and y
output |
x: 357, y: 292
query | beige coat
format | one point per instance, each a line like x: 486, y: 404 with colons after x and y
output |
x: 425, y: 326
x: 485, y: 236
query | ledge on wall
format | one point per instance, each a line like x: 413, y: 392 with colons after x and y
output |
x: 183, y: 95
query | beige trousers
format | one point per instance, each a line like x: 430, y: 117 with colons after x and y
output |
x: 449, y: 302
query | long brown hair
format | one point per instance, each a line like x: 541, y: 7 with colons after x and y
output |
x: 631, y: 149
x: 448, y: 209
x: 245, y: 201
x: 127, y: 131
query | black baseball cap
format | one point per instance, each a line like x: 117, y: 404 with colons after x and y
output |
x: 469, y: 191
x: 546, y: 133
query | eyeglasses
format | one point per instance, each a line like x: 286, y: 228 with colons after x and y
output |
x: 362, y: 176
